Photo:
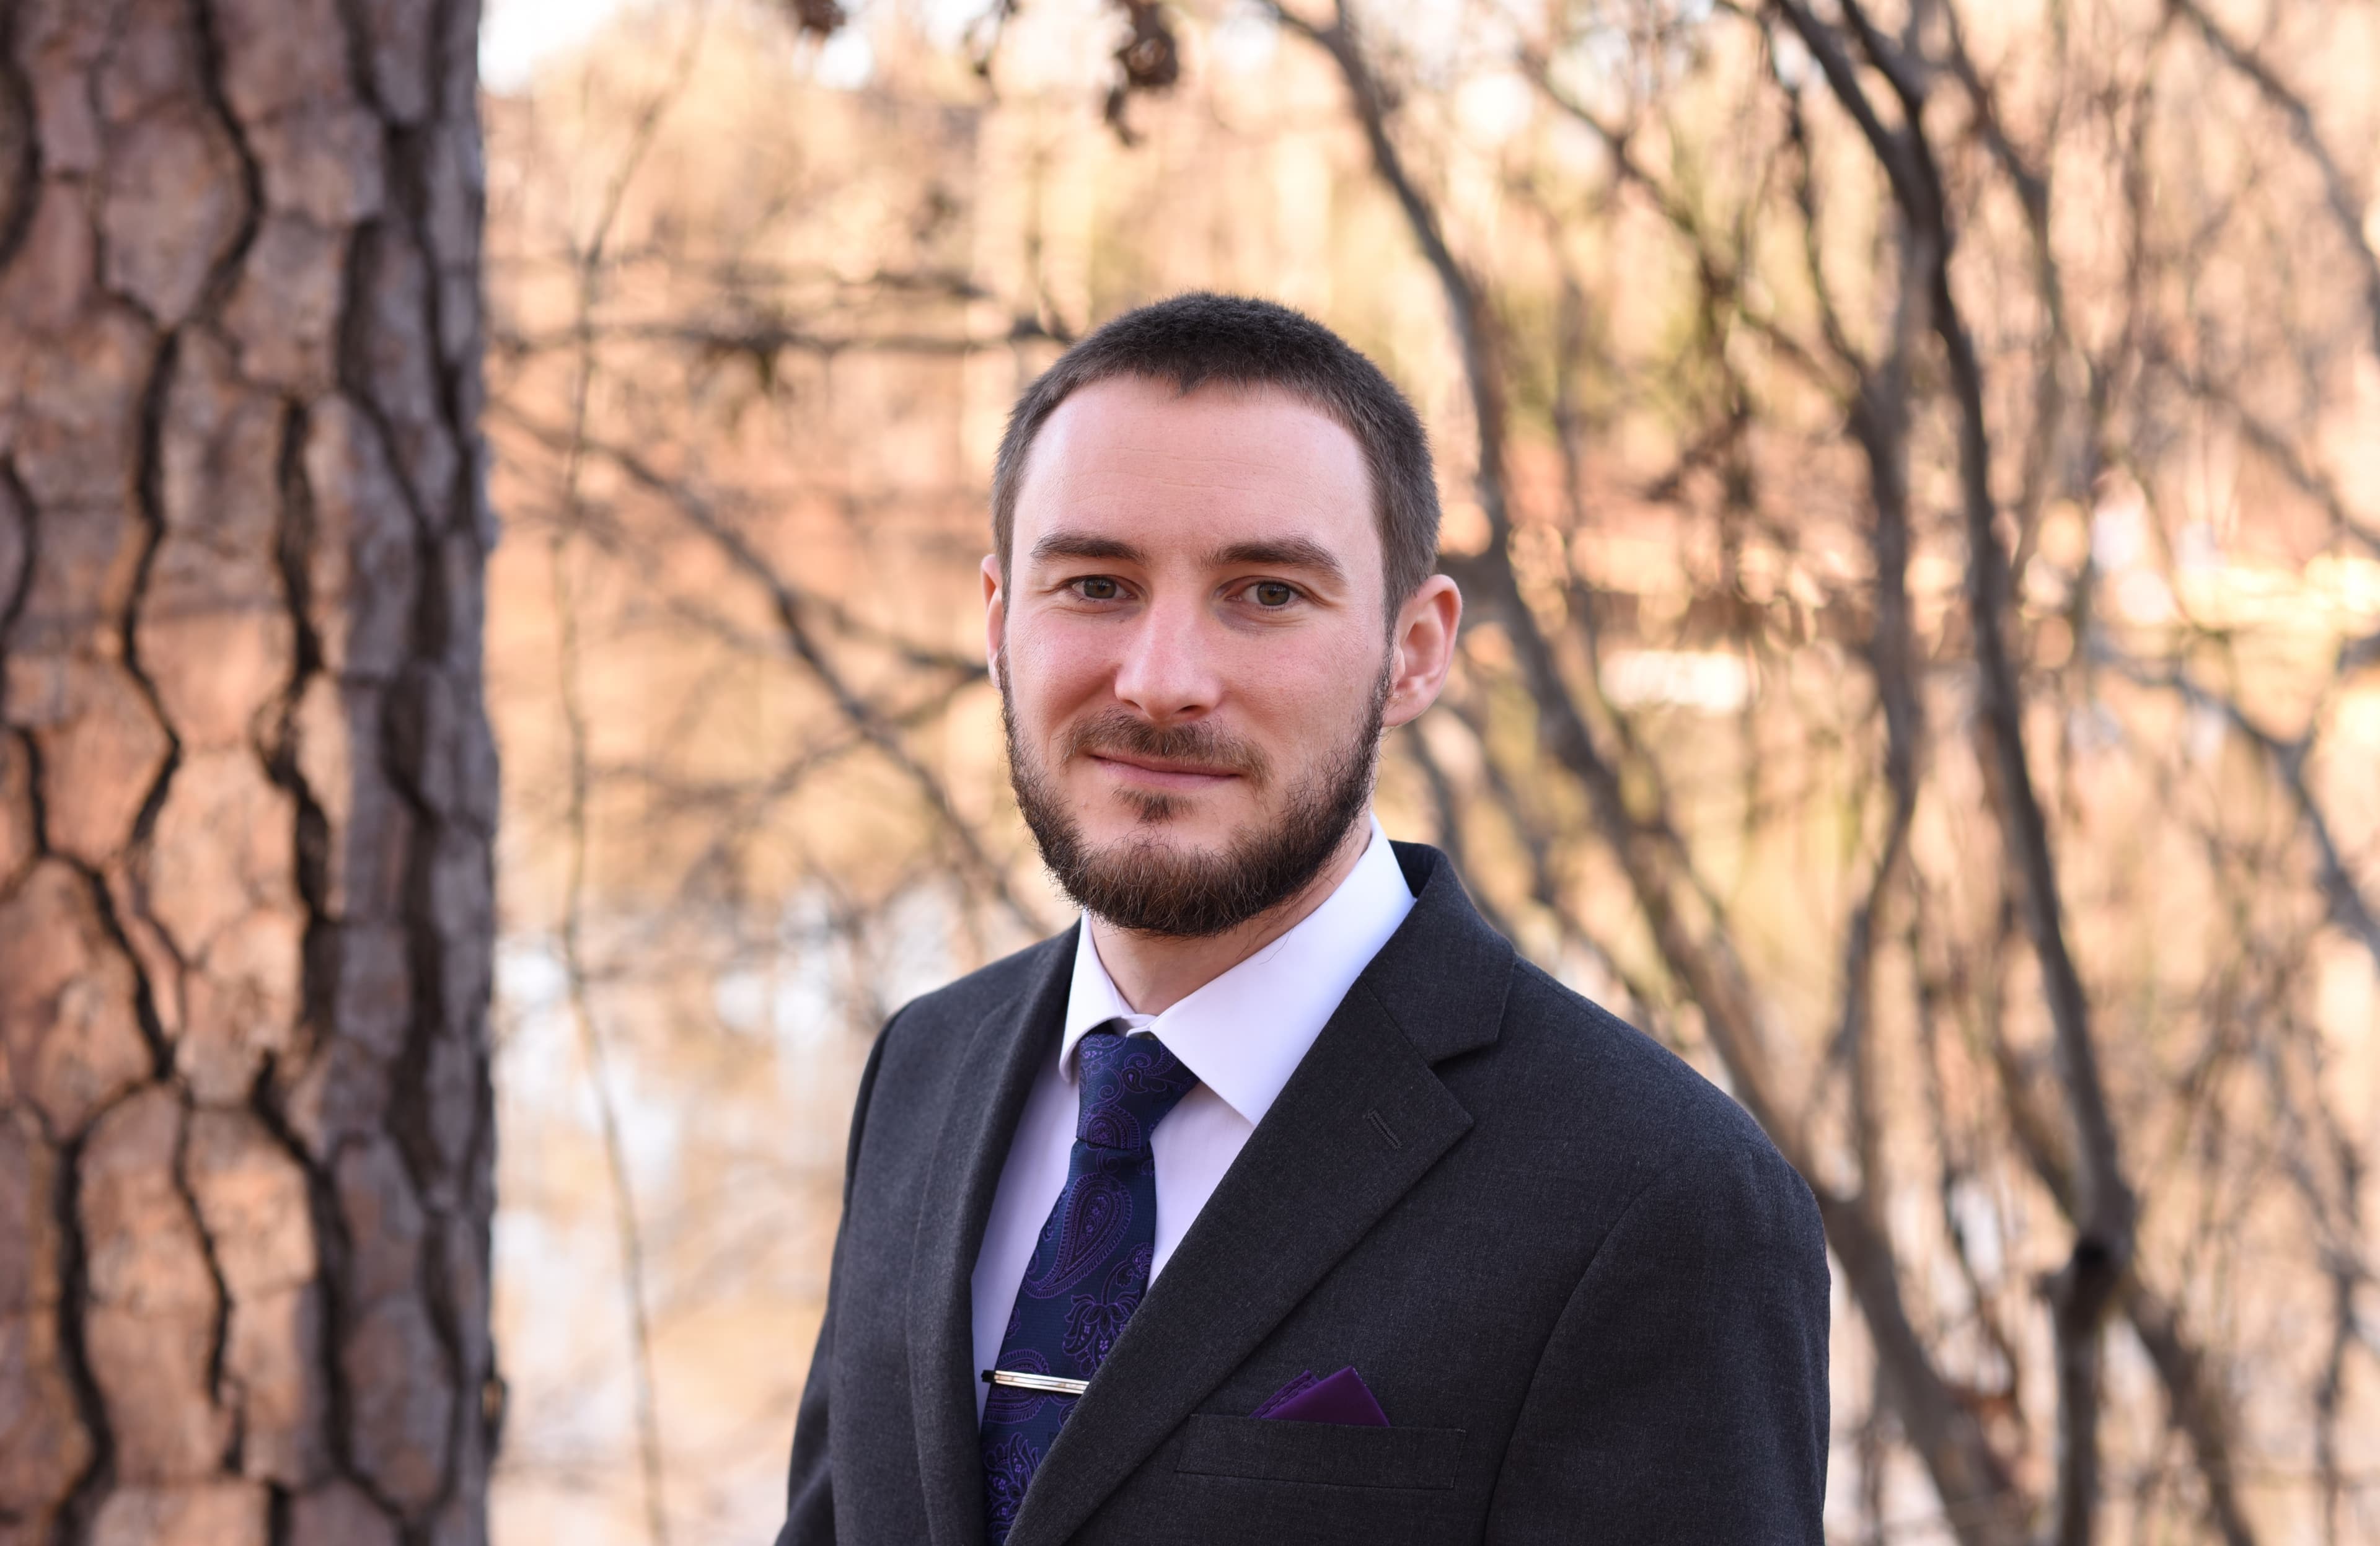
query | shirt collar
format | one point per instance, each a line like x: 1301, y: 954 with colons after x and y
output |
x: 1244, y: 1032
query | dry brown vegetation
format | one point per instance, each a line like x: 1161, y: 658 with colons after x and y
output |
x: 1912, y: 471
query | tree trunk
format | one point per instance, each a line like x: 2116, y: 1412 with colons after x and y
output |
x: 246, y: 787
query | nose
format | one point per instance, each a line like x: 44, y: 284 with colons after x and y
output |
x: 1170, y: 672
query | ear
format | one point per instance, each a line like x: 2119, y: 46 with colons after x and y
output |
x: 995, y: 615
x: 1422, y: 649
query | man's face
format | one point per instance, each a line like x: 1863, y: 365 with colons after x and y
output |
x: 1193, y: 649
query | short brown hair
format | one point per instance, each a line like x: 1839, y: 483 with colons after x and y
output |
x: 1199, y: 338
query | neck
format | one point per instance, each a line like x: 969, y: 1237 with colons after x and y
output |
x: 1156, y: 972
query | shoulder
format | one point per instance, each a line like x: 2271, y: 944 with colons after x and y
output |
x: 1594, y: 1097
x: 920, y: 1051
x: 948, y: 1014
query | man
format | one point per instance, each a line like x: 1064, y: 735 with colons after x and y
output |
x: 1279, y: 1201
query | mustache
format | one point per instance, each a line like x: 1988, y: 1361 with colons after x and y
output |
x: 1204, y: 746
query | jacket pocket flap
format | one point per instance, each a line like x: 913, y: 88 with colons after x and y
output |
x: 1266, y: 1449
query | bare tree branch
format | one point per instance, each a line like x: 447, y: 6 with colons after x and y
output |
x: 1978, y: 1494
x: 2348, y: 907
x: 2106, y: 1209
x: 634, y: 1267
x: 791, y: 612
x: 2346, y: 208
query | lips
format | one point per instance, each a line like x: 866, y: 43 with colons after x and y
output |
x: 1160, y: 757
x: 1154, y: 773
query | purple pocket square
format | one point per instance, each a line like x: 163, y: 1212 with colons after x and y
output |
x: 1342, y: 1398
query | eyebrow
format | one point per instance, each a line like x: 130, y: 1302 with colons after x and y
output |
x: 1289, y: 552
x: 1081, y: 545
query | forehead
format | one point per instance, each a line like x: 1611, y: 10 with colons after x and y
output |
x: 1136, y: 459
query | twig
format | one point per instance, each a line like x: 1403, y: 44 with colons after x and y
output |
x: 1687, y: 926
x: 2348, y: 907
x: 2346, y: 208
x: 792, y: 611
x: 590, y: 276
x: 2080, y: 1291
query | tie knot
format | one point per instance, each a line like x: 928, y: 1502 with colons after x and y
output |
x: 1129, y: 1083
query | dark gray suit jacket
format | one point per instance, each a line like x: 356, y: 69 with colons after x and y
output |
x: 1588, y: 1293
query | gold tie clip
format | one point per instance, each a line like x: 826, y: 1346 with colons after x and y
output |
x: 1049, y: 1384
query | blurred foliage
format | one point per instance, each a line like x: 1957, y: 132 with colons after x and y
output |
x: 1748, y: 407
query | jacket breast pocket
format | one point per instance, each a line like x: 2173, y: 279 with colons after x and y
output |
x: 1266, y: 1449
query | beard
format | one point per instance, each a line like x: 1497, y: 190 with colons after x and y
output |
x: 1148, y: 886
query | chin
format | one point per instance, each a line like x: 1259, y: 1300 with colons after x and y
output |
x: 1170, y: 821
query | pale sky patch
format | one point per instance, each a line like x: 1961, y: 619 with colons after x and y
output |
x: 517, y: 36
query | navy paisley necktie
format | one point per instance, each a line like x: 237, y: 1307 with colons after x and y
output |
x: 1090, y: 1266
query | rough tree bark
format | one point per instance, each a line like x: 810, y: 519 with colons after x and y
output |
x: 246, y: 787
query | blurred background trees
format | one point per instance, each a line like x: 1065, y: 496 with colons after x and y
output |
x: 1912, y: 466
x: 248, y: 791
x: 1914, y: 472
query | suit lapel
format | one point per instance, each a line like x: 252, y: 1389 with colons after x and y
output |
x: 994, y: 1074
x: 1361, y: 1121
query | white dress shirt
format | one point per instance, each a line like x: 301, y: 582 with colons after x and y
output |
x: 1244, y: 1033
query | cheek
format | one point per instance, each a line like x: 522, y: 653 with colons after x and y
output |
x: 1050, y: 671
x: 1298, y: 690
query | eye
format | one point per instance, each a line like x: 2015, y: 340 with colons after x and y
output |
x: 1098, y: 588
x: 1273, y: 595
